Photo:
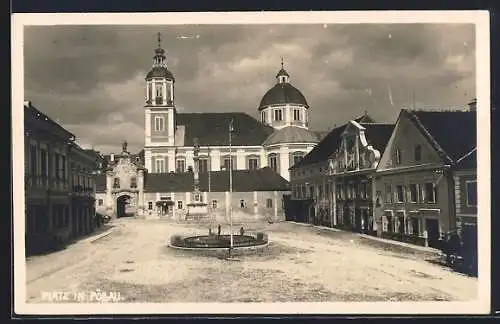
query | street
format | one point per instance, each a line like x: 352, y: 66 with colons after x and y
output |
x: 301, y: 264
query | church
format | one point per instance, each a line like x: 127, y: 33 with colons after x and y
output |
x: 279, y: 139
x: 258, y: 151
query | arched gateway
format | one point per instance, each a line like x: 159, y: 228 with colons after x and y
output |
x: 124, y: 186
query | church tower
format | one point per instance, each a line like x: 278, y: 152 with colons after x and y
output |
x: 159, y: 112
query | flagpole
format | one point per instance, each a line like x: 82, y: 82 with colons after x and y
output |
x: 209, y: 168
x: 230, y: 189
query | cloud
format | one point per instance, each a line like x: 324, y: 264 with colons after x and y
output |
x: 91, y: 78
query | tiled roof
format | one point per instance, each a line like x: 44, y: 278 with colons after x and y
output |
x: 291, y: 134
x: 328, y: 144
x: 283, y: 93
x: 212, y: 129
x: 264, y: 179
x: 452, y: 133
x: 378, y: 135
x: 320, y: 134
x: 32, y: 114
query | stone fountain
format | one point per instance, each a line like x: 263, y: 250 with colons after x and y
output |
x: 197, y: 209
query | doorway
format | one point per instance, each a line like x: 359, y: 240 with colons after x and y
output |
x: 121, y: 206
x: 432, y: 227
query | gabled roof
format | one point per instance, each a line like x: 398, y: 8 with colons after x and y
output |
x: 468, y: 161
x: 291, y: 134
x: 378, y: 135
x: 212, y: 129
x: 327, y: 146
x: 32, y: 115
x: 451, y: 133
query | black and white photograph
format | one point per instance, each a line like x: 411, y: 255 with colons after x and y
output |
x: 284, y: 162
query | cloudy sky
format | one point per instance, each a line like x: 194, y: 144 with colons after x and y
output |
x: 91, y: 78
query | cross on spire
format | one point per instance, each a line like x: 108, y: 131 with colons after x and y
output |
x: 159, y: 39
x: 282, y: 62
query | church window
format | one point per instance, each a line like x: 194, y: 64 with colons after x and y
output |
x: 160, y: 165
x: 159, y: 124
x: 253, y: 163
x: 228, y: 163
x: 159, y: 90
x: 278, y: 114
x: 180, y: 165
x: 203, y: 165
x: 133, y: 182
x: 273, y: 162
x: 296, y: 114
x: 263, y: 116
x: 269, y: 203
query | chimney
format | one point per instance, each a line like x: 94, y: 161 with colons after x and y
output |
x: 472, y: 105
x: 112, y: 157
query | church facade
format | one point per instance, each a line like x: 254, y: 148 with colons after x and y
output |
x: 278, y: 139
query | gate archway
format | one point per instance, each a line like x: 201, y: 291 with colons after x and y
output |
x: 121, y: 206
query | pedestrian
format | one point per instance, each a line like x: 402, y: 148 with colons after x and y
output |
x: 218, y: 231
x: 242, y: 231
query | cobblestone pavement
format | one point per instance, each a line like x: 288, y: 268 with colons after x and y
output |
x: 300, y: 264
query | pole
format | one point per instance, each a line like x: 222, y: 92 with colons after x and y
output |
x: 230, y: 189
x: 209, y: 166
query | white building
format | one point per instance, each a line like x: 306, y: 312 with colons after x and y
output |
x: 278, y: 140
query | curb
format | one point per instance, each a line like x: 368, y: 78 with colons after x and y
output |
x: 407, y: 245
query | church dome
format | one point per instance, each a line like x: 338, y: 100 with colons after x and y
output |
x: 291, y: 134
x: 160, y: 72
x: 281, y: 94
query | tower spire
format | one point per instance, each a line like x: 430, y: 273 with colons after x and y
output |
x: 159, y: 39
x: 282, y: 63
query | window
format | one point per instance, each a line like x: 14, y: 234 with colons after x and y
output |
x: 278, y: 114
x: 430, y: 193
x: 418, y: 153
x: 296, y: 114
x: 150, y: 205
x: 253, y: 163
x: 159, y: 91
x: 388, y: 193
x: 100, y: 202
x: 415, y: 230
x: 43, y: 162
x: 214, y: 204
x: 242, y: 203
x: 413, y: 193
x: 338, y: 193
x: 400, y: 196
x: 397, y: 156
x: 180, y: 165
x: 116, y: 183
x: 273, y: 162
x: 269, y: 203
x: 228, y: 163
x: 63, y: 166
x: 297, y: 157
x: 159, y: 123
x: 133, y: 182
x: 160, y: 165
x: 33, y: 160
x: 362, y: 190
x: 179, y: 204
x: 471, y: 187
x: 263, y: 116
x: 57, y: 166
x: 203, y: 165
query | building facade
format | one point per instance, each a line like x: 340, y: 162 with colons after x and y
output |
x: 279, y: 139
x: 415, y: 183
x: 127, y: 189
x: 58, y: 182
x: 350, y: 173
x: 313, y: 192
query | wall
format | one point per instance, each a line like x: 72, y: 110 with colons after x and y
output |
x: 468, y: 213
x: 440, y: 209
